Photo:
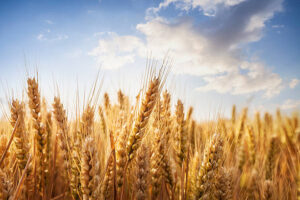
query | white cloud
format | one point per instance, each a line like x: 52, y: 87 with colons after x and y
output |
x: 209, y: 7
x: 116, y: 51
x: 74, y: 53
x: 192, y: 51
x: 47, y: 37
x: 278, y: 26
x: 290, y: 104
x: 91, y: 11
x: 99, y: 34
x: 214, y: 53
x: 60, y: 37
x: 49, y: 21
x: 256, y: 79
x: 293, y: 83
x: 41, y: 37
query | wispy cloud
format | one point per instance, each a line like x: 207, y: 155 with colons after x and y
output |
x: 209, y: 8
x: 91, y: 11
x: 74, y: 53
x: 41, y: 37
x: 101, y: 33
x: 293, y: 83
x: 49, y: 21
x: 46, y: 37
x: 257, y: 78
x: 278, y: 26
x: 290, y: 104
x: 115, y: 51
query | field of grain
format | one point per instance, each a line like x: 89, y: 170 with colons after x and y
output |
x: 145, y: 150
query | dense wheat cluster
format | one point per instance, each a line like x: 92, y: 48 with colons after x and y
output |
x: 150, y: 149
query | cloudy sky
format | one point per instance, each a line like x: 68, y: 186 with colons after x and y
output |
x: 224, y: 52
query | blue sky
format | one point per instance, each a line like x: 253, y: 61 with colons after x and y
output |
x: 224, y: 52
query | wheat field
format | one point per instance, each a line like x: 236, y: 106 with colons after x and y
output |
x: 145, y: 149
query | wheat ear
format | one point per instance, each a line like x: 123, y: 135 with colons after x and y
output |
x: 142, y: 118
x: 141, y: 184
x: 89, y: 175
x: 210, y: 163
